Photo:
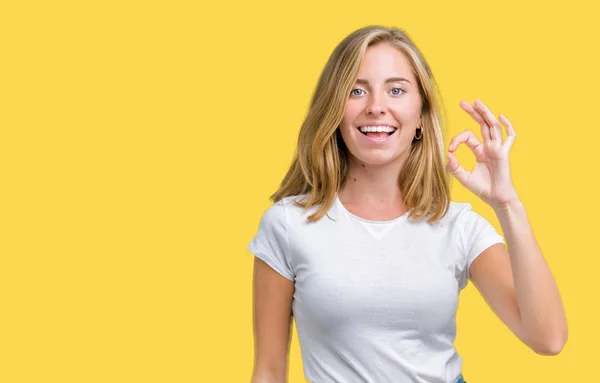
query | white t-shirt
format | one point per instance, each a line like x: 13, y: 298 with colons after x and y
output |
x: 374, y: 301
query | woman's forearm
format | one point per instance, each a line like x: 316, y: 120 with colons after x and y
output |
x: 542, y: 313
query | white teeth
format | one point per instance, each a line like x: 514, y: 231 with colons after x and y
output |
x: 387, y: 129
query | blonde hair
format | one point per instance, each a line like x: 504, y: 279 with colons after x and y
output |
x: 320, y: 165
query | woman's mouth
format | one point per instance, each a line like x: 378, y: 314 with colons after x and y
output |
x: 379, y: 133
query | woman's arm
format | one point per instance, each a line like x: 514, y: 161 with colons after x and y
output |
x: 542, y: 313
x: 272, y: 317
x: 518, y: 284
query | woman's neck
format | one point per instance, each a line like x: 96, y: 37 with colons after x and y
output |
x: 373, y: 185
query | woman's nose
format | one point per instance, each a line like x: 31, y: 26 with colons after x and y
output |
x: 375, y: 106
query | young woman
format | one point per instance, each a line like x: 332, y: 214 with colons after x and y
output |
x: 363, y: 245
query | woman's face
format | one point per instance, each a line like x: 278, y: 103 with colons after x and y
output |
x: 385, y: 94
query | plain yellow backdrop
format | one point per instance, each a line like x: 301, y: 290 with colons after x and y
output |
x: 140, y: 141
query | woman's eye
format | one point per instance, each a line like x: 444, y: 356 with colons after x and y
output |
x: 395, y: 91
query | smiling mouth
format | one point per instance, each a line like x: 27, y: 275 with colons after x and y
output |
x: 378, y: 133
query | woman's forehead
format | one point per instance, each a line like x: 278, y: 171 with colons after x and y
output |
x: 382, y: 62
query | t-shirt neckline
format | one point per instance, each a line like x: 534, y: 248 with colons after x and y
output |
x: 341, y: 206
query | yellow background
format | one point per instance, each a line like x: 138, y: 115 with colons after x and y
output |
x: 141, y: 140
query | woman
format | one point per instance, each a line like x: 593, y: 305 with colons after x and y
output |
x: 363, y: 245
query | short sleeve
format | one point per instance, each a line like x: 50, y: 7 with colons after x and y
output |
x: 476, y: 235
x: 271, y: 242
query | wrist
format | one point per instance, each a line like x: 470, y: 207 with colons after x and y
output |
x: 512, y: 204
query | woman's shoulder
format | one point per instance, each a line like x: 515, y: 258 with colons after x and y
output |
x: 457, y: 207
x: 456, y: 210
x: 292, y: 205
x: 285, y: 208
x: 294, y: 211
x: 462, y: 215
x: 289, y: 200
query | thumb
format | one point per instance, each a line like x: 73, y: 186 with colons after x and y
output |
x: 453, y: 167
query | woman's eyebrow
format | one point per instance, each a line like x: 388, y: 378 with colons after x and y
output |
x: 391, y: 79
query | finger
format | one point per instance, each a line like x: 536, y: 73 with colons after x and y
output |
x: 467, y: 137
x: 454, y: 167
x: 485, y: 131
x: 495, y: 127
x: 510, y: 131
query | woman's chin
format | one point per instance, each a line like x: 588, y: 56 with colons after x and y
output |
x: 379, y: 159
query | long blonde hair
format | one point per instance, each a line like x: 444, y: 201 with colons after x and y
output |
x: 320, y: 165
